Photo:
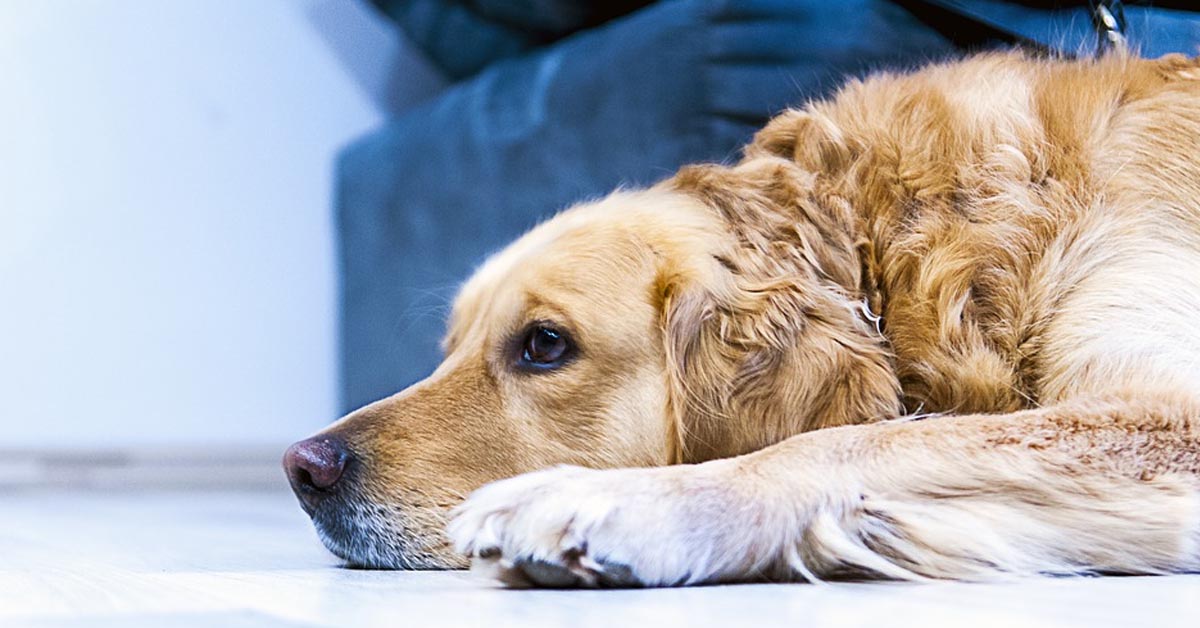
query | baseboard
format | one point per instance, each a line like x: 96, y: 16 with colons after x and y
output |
x: 136, y: 468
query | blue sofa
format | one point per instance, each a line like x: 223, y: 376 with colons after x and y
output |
x: 556, y: 101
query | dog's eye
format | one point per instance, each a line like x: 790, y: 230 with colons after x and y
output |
x: 544, y: 348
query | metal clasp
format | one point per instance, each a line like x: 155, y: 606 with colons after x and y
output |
x: 1108, y: 16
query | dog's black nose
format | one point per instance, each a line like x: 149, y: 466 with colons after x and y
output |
x: 314, y: 467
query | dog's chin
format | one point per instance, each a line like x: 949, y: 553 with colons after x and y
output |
x: 367, y: 540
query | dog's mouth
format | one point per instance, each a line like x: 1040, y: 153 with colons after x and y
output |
x: 373, y: 535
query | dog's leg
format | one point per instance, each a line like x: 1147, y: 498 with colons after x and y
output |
x: 1082, y: 487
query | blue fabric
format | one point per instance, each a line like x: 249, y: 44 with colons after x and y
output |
x: 1066, y: 25
x: 463, y: 36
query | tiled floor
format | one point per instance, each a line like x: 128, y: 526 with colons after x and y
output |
x: 250, y: 559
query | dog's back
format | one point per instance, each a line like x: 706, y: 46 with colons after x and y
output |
x: 1036, y: 223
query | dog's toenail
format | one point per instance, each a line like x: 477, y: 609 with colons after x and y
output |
x: 616, y: 575
x: 548, y: 574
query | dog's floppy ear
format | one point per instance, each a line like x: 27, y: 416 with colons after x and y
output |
x: 763, y: 337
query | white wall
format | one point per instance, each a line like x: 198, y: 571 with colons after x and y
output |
x: 166, y: 246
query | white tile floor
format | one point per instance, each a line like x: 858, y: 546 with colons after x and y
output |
x: 250, y: 559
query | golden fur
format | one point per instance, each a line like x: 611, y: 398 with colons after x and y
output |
x: 982, y: 278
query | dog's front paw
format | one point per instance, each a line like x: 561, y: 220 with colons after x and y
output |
x: 574, y: 527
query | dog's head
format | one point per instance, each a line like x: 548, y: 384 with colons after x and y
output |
x: 713, y: 314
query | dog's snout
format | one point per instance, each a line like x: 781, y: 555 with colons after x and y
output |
x: 314, y: 467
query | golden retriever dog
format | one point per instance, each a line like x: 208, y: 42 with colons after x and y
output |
x: 943, y: 325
